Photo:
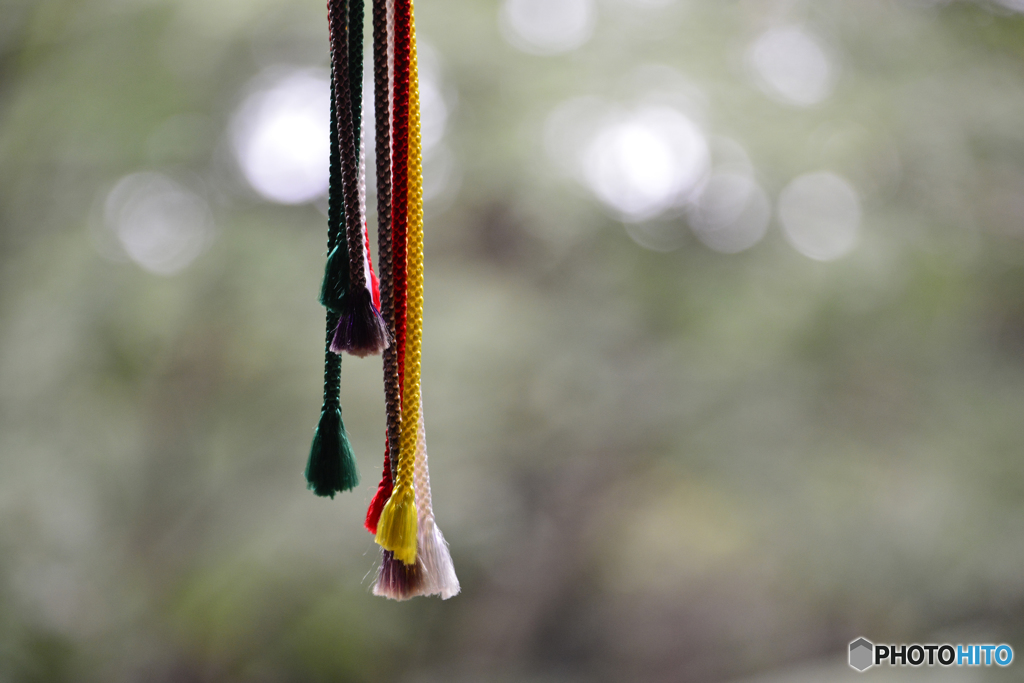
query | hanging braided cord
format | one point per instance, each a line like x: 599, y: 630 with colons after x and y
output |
x: 382, y: 110
x: 432, y: 550
x: 421, y: 472
x: 354, y: 33
x: 392, y: 252
x: 414, y: 239
x: 335, y: 219
x: 338, y: 19
x: 399, y: 212
x: 399, y: 325
x: 332, y: 366
x: 397, y: 527
x: 356, y: 15
x: 330, y: 467
x: 355, y: 83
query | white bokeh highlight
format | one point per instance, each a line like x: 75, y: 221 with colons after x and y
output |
x: 436, y: 100
x: 281, y: 137
x: 820, y: 215
x: 433, y: 113
x: 790, y: 65
x: 547, y: 27
x: 645, y: 163
x: 161, y: 225
x: 731, y: 213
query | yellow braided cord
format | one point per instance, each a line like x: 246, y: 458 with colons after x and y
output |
x: 414, y: 292
x: 398, y: 526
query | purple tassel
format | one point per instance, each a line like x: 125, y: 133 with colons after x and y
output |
x: 361, y: 330
x: 397, y: 580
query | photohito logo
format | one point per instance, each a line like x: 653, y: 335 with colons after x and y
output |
x: 864, y: 654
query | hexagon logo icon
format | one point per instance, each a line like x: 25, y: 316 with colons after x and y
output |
x: 862, y: 654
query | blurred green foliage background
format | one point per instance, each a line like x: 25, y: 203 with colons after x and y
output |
x: 676, y: 435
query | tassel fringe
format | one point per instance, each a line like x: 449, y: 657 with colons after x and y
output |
x: 361, y: 329
x: 332, y: 289
x: 373, y: 513
x: 380, y: 498
x: 438, y: 571
x: 396, y: 530
x: 396, y: 579
x: 331, y: 467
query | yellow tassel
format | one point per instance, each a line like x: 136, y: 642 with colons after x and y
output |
x: 398, y: 525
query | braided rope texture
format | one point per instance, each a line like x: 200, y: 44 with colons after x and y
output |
x: 361, y: 331
x: 337, y: 14
x: 414, y: 264
x: 397, y: 528
x: 398, y: 49
x: 382, y: 128
x: 331, y: 466
x: 438, y: 572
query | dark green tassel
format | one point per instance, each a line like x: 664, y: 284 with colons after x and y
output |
x: 332, y: 289
x: 332, y: 466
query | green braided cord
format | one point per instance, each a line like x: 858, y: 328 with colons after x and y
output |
x: 331, y: 467
x: 335, y: 282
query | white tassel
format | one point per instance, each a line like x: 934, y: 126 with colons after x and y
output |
x: 438, y: 571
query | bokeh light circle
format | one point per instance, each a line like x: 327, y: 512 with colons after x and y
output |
x: 547, y: 27
x: 281, y: 136
x: 645, y: 163
x: 790, y: 65
x: 731, y: 213
x: 160, y: 224
x: 820, y: 215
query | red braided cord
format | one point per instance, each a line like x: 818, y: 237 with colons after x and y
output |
x: 399, y: 217
x: 392, y: 370
x: 400, y: 172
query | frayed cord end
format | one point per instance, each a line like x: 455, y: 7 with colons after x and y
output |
x: 335, y: 282
x: 331, y: 467
x: 361, y: 330
x: 396, y: 529
x: 397, y: 580
x: 380, y: 499
x: 438, y: 571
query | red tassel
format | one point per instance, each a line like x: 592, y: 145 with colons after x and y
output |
x: 380, y: 498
